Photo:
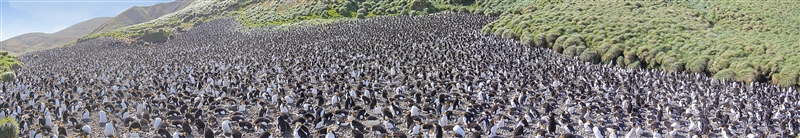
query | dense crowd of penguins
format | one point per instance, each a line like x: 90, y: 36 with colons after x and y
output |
x: 422, y: 76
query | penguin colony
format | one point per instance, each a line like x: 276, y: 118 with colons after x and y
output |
x: 423, y: 76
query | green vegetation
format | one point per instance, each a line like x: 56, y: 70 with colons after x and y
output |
x: 8, y: 62
x: 162, y: 28
x: 733, y: 40
x: 9, y: 76
x: 9, y: 128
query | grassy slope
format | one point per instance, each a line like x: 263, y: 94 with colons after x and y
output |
x: 744, y: 41
x: 137, y: 14
x: 40, y: 41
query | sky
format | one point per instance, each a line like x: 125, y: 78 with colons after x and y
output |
x: 48, y: 16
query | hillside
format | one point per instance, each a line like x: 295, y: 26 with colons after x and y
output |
x: 742, y: 41
x: 138, y: 14
x: 40, y: 41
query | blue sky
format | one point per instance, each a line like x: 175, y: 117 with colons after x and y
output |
x: 24, y: 16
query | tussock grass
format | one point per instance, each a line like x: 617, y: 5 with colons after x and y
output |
x: 9, y: 62
x: 9, y: 128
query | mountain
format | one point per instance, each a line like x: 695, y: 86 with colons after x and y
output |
x: 137, y: 14
x: 40, y: 41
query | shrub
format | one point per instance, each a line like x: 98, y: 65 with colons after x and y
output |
x: 498, y: 32
x: 378, y: 10
x: 360, y: 15
x: 9, y: 76
x: 35, y: 56
x: 719, y: 64
x: 9, y: 128
x: 698, y: 65
x: 343, y: 11
x: 552, y: 35
x: 420, y: 5
x: 362, y: 11
x: 570, y: 51
x: 634, y: 65
x: 725, y: 74
x: 4, y: 53
x: 527, y: 40
x: 462, y: 9
x: 574, y: 40
x: 508, y: 34
x: 612, y: 53
x: 786, y: 78
x: 557, y: 45
x: 477, y: 11
x: 589, y: 55
x: 630, y: 56
x: 602, y: 49
x: 16, y: 65
x: 748, y: 75
x: 541, y: 40
x: 620, y: 61
x: 675, y: 67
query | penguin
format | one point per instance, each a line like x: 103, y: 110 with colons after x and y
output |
x: 163, y: 132
x: 301, y: 131
x: 283, y: 125
x: 388, y: 123
x: 415, y: 130
x: 354, y: 124
x: 71, y: 121
x: 178, y: 134
x: 208, y: 132
x: 318, y: 122
x: 85, y: 116
x: 200, y: 124
x: 134, y: 134
x: 226, y: 127
x: 438, y: 132
x: 265, y: 134
x: 551, y: 124
x: 459, y: 131
x: 186, y: 127
x: 356, y: 134
x: 519, y: 130
x: 135, y: 125
x: 103, y: 117
x: 387, y: 113
x: 109, y: 129
x: 157, y: 123
x: 330, y: 134
x: 61, y: 129
x: 379, y: 130
x: 236, y: 133
x: 237, y: 118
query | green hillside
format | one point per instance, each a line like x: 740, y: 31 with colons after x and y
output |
x: 732, y: 40
x: 138, y: 14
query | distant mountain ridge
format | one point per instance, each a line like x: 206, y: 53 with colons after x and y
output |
x: 40, y: 41
x: 138, y: 14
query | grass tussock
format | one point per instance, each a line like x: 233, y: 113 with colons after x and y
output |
x: 9, y: 128
x: 9, y: 62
